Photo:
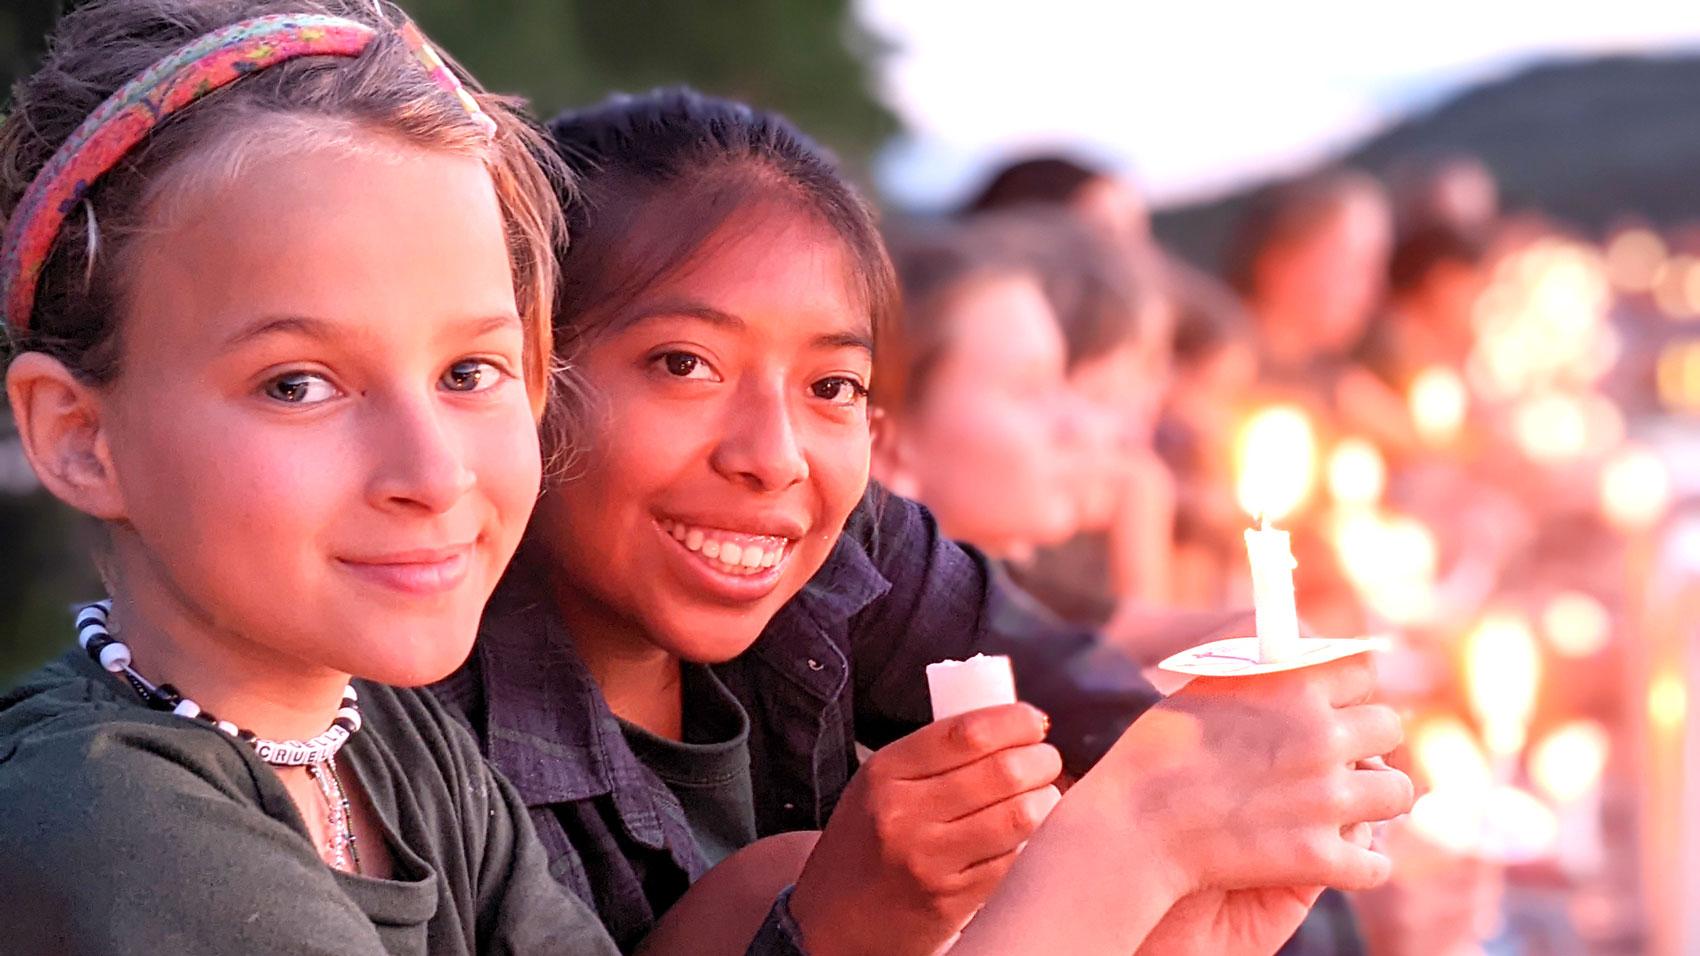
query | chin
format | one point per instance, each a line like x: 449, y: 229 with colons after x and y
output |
x: 714, y: 638
x: 409, y: 656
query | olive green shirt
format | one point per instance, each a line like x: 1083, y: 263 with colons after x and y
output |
x: 124, y: 829
x: 708, y: 771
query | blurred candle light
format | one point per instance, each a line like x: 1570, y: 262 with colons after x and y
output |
x: 1551, y: 427
x: 1438, y: 403
x: 1566, y: 764
x: 1667, y: 701
x: 1357, y: 474
x: 1576, y: 624
x: 1635, y: 488
x: 1566, y: 767
x: 1679, y: 376
x: 1392, y: 562
x: 1502, y: 668
x: 1670, y: 293
x: 1276, y: 459
x: 1633, y: 259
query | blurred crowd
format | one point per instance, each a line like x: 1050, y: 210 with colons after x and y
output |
x: 1436, y: 397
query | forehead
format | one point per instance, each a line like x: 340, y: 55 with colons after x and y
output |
x: 331, y: 232
x: 778, y: 269
x: 1004, y: 317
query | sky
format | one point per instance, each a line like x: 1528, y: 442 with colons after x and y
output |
x: 1199, y: 96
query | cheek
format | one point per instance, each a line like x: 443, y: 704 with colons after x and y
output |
x: 507, y: 460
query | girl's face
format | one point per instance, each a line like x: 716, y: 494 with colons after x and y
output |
x: 728, y: 445
x: 992, y: 445
x: 323, y: 450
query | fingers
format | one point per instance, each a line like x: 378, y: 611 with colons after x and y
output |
x: 1350, y: 681
x: 1375, y: 795
x: 1367, y: 731
x: 992, y: 780
x: 1353, y: 867
x: 998, y: 829
x: 945, y: 745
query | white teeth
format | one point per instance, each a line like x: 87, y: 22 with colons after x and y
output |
x: 728, y: 556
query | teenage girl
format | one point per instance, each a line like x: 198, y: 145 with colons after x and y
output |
x: 275, y: 289
x: 713, y: 607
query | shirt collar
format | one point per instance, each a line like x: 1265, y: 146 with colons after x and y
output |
x: 547, y: 725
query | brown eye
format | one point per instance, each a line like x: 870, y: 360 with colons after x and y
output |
x: 839, y: 390
x: 681, y: 364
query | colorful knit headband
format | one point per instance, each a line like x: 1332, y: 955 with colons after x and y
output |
x: 127, y: 116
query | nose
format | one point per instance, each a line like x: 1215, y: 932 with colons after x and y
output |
x: 759, y: 447
x: 418, y: 462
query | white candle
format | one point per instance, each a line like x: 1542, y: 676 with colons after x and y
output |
x: 1272, y: 567
x: 957, y: 687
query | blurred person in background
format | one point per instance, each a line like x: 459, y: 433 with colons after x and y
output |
x: 1310, y: 257
x: 1116, y: 325
x: 1454, y: 192
x: 1434, y: 279
x: 978, y: 423
x: 1110, y: 203
x: 1214, y: 373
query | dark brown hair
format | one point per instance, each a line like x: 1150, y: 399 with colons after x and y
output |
x: 1291, y: 211
x: 1047, y: 180
x: 660, y: 174
x: 1098, y: 290
x: 102, y: 45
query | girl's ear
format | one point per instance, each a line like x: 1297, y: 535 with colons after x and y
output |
x: 892, y: 457
x: 60, y: 419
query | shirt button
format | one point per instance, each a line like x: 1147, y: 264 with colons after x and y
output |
x: 814, y: 665
x: 790, y: 806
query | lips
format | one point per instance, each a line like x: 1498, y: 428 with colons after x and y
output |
x: 419, y: 571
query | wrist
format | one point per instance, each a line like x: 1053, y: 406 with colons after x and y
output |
x: 1122, y: 820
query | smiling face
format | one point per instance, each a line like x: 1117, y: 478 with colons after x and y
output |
x: 322, y: 448
x: 729, y: 445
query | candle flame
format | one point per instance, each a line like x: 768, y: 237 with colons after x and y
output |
x: 1503, y: 673
x: 1576, y: 624
x: 1635, y: 489
x: 1276, y: 462
x: 1438, y: 402
x: 1667, y: 701
x: 1357, y: 474
x: 1567, y: 764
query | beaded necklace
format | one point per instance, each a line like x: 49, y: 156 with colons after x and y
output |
x: 317, y: 755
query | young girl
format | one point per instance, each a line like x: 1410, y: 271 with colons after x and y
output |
x: 275, y: 285
x: 713, y: 609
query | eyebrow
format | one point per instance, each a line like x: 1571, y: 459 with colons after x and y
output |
x: 321, y: 329
x: 693, y: 310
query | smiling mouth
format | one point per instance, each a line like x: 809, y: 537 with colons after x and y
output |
x: 736, y: 553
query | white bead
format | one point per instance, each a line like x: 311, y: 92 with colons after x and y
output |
x: 349, y: 693
x: 353, y: 717
x: 186, y: 708
x: 115, y: 657
x: 228, y: 727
